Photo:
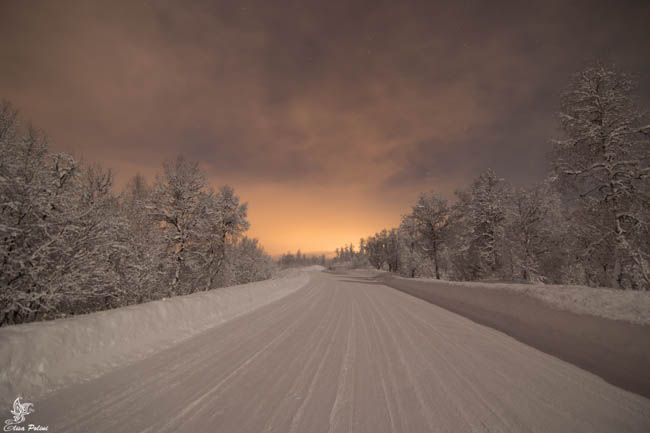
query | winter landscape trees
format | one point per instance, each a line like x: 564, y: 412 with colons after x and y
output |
x: 68, y: 245
x: 289, y: 259
x: 587, y: 223
x: 603, y: 163
x: 429, y: 222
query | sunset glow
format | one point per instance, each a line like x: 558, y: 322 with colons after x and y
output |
x: 329, y: 120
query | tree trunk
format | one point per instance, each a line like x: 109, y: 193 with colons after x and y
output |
x: 179, y: 263
x: 435, y: 259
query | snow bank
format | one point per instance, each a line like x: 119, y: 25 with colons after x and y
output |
x: 37, y: 358
x: 631, y: 306
x: 627, y: 305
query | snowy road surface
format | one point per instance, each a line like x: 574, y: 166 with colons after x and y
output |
x: 342, y: 355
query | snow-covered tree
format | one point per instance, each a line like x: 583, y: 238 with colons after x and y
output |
x: 69, y: 246
x: 60, y: 230
x: 477, y: 223
x: 412, y: 258
x: 534, y: 243
x: 392, y: 250
x: 288, y: 259
x: 247, y: 262
x: 429, y: 216
x: 142, y: 269
x: 603, y: 161
x: 383, y: 249
x: 177, y: 202
x: 222, y: 222
x: 375, y: 251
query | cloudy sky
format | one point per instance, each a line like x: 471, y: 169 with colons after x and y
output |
x: 328, y: 117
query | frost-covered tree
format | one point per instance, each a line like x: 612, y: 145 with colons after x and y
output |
x: 69, y: 246
x: 177, y: 202
x: 477, y: 223
x: 430, y: 215
x: 33, y: 202
x: 392, y: 250
x: 59, y: 231
x: 288, y: 259
x: 375, y: 251
x: 222, y: 222
x: 383, y: 249
x: 247, y: 262
x: 412, y: 259
x: 96, y: 243
x: 198, y: 225
x: 142, y: 269
x: 534, y: 245
x: 603, y: 161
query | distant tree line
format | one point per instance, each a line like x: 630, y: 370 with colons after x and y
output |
x: 69, y: 245
x: 587, y: 223
x: 289, y: 260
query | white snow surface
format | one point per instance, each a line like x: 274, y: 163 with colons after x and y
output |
x: 38, y: 358
x: 626, y: 305
x: 341, y: 356
x: 631, y: 306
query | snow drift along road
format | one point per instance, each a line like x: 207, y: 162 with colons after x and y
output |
x: 37, y: 358
x: 554, y: 322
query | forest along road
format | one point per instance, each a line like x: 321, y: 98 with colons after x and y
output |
x: 346, y: 355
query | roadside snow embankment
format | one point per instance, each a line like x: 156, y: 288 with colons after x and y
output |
x: 602, y: 331
x: 632, y: 306
x: 37, y: 358
x: 626, y: 305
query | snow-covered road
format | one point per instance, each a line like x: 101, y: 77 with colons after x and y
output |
x: 345, y: 355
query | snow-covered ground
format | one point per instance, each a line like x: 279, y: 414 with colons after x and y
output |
x: 342, y: 355
x: 627, y: 305
x: 37, y: 358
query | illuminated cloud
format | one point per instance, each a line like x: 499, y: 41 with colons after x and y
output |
x: 328, y: 117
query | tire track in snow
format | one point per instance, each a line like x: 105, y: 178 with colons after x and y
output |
x: 537, y: 364
x: 341, y: 356
x: 388, y: 332
x: 298, y: 416
x: 369, y: 322
x: 345, y: 391
x: 184, y: 413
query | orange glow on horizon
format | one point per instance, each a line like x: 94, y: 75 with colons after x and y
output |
x: 316, y: 219
x: 312, y: 220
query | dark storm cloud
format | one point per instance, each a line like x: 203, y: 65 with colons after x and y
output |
x: 388, y: 97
